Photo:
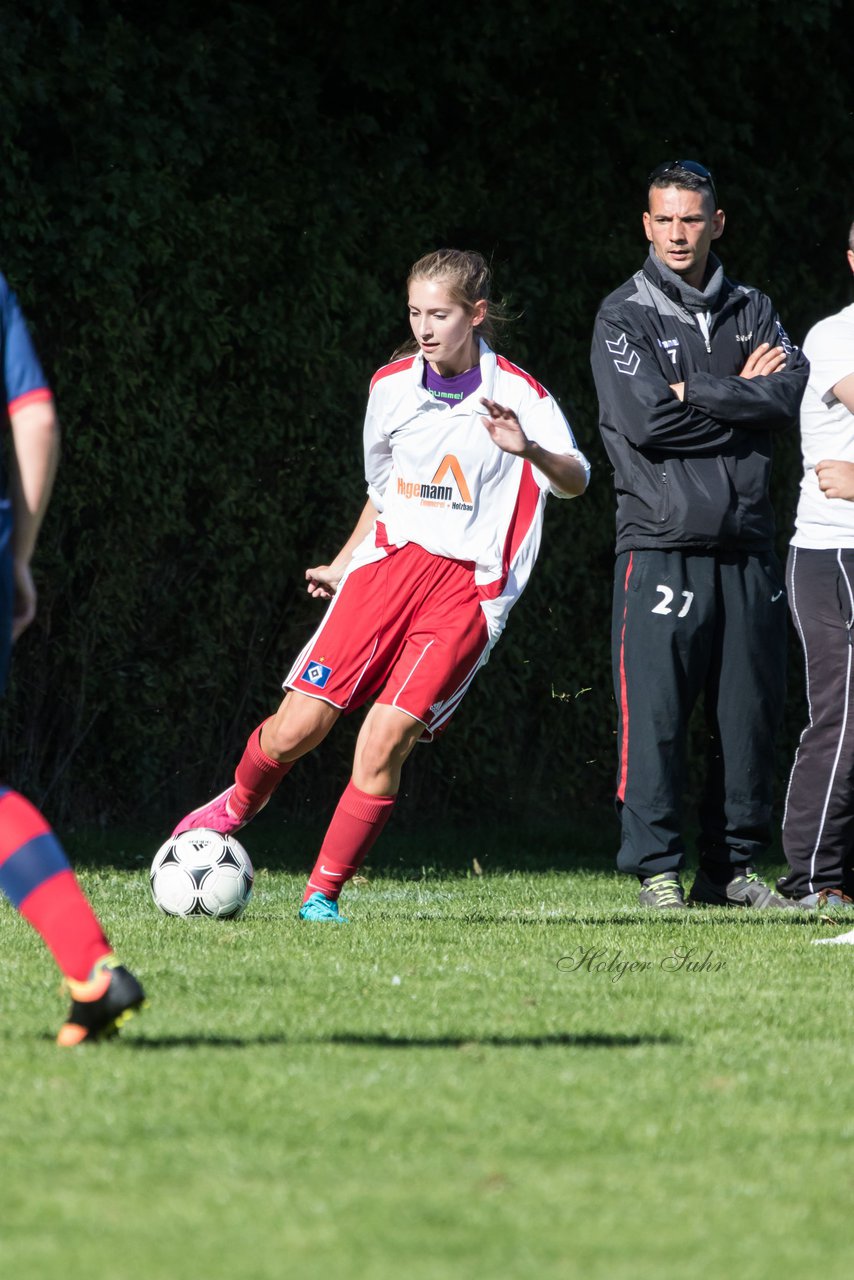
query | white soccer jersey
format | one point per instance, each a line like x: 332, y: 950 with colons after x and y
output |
x: 827, y: 432
x: 438, y: 480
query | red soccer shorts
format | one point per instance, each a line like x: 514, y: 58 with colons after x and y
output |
x: 407, y: 630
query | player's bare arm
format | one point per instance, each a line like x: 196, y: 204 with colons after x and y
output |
x: 844, y: 391
x: 835, y: 477
x: 565, y: 472
x: 323, y: 579
x: 35, y: 453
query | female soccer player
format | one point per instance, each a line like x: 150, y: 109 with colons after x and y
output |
x: 461, y: 449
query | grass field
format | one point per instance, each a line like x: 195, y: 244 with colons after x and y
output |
x: 513, y: 1074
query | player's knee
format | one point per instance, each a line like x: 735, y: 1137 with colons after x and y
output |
x: 382, y: 750
x: 371, y: 759
x: 299, y: 724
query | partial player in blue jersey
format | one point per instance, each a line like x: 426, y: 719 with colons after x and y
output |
x: 34, y: 872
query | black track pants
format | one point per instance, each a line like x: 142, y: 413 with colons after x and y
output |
x: 818, y: 826
x: 686, y: 624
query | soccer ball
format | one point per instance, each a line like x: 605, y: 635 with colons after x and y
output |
x: 202, y: 873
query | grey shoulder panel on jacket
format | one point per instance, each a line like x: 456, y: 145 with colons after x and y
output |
x: 647, y: 295
x: 641, y: 291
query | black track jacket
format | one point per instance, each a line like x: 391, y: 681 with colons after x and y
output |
x: 691, y: 474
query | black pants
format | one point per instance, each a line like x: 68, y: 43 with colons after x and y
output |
x: 686, y: 624
x: 818, y: 826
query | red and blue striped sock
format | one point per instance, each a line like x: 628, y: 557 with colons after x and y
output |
x: 36, y: 877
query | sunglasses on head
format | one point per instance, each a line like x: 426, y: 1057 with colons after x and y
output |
x: 693, y: 166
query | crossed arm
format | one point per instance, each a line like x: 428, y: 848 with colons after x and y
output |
x: 694, y: 411
x: 760, y: 363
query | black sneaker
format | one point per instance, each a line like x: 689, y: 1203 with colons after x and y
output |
x: 663, y: 891
x: 746, y: 889
x: 101, y: 1004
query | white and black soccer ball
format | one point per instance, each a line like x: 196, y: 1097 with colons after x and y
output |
x: 202, y: 873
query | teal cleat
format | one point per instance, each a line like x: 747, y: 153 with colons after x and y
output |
x: 319, y: 907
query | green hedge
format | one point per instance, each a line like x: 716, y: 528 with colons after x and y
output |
x: 208, y: 211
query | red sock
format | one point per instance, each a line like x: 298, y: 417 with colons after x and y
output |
x: 37, y: 879
x: 61, y: 913
x: 355, y: 825
x: 256, y: 777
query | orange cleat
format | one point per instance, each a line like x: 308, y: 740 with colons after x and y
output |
x: 101, y: 1004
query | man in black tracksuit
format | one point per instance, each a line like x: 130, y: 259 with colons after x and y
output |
x: 694, y: 374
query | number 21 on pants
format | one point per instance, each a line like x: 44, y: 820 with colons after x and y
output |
x: 665, y: 603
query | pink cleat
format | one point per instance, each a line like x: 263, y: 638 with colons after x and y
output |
x: 217, y: 815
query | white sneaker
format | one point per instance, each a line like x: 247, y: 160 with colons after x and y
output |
x: 840, y: 938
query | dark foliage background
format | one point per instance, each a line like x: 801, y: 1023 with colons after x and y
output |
x: 208, y: 211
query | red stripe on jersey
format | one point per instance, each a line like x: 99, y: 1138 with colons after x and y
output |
x: 396, y: 366
x: 42, y: 395
x: 504, y: 363
x: 20, y: 822
x: 527, y: 500
x: 624, y: 696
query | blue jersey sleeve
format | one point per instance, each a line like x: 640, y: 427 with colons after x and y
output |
x: 23, y: 378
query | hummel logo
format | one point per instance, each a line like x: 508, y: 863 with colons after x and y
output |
x: 618, y: 348
x: 630, y: 364
x: 785, y: 340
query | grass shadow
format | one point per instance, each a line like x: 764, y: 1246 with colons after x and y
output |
x: 588, y: 1040
x: 583, y: 1041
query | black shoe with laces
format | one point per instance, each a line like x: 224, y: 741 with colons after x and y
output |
x: 664, y: 892
x: 745, y: 889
